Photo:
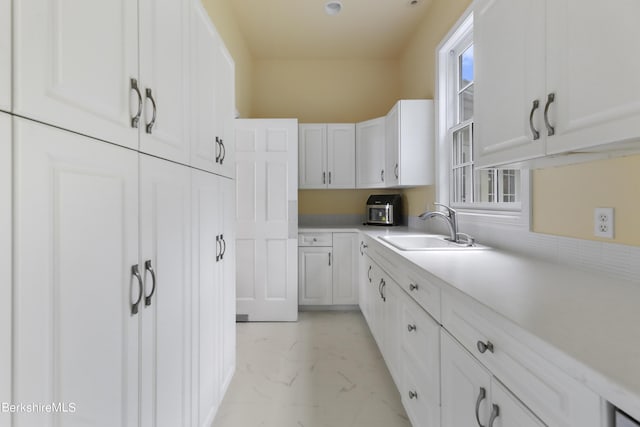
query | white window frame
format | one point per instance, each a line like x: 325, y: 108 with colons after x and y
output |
x: 511, y: 214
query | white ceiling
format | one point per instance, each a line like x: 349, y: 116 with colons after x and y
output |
x: 300, y: 29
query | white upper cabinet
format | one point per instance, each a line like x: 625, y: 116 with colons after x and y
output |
x: 213, y: 93
x: 546, y: 84
x: 76, y: 314
x: 5, y: 55
x: 370, y: 153
x: 327, y: 155
x: 410, y: 144
x: 75, y: 64
x: 164, y: 77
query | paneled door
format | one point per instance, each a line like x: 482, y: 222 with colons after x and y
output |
x: 75, y: 63
x: 267, y: 219
x: 5, y: 265
x: 77, y: 290
x: 165, y: 245
x: 164, y: 77
x: 228, y: 195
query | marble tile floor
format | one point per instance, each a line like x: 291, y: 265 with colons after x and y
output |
x: 323, y: 371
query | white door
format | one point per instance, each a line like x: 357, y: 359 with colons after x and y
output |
x: 345, y: 271
x: 466, y: 390
x: 314, y: 276
x: 206, y: 296
x: 341, y: 155
x: 165, y: 244
x: 312, y: 162
x: 205, y: 137
x: 5, y: 264
x: 225, y: 110
x: 76, y: 249
x: 74, y: 63
x: 228, y: 264
x: 589, y: 72
x: 392, y: 130
x: 164, y: 76
x: 509, y: 62
x: 5, y: 55
x: 267, y: 219
x: 370, y: 153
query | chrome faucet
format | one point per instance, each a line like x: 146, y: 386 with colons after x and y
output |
x: 449, y: 217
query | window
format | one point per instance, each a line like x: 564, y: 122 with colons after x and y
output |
x: 469, y: 187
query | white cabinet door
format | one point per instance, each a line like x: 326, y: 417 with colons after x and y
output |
x: 341, y: 155
x: 6, y: 254
x: 225, y: 110
x: 466, y: 386
x: 228, y: 278
x: 509, y: 62
x: 392, y: 131
x: 315, y: 275
x: 206, y: 296
x: 73, y: 64
x: 164, y: 66
x: 370, y: 153
x: 345, y: 271
x: 507, y: 410
x: 78, y: 207
x: 205, y: 137
x: 5, y: 55
x: 364, y: 267
x: 590, y: 72
x: 312, y: 156
x: 165, y: 230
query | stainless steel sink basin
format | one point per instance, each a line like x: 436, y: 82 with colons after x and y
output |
x: 427, y: 242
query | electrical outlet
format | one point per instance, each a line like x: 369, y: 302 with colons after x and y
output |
x: 603, y: 222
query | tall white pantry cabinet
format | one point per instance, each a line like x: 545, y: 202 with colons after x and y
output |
x: 117, y: 257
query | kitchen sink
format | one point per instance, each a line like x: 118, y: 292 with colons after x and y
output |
x: 427, y: 242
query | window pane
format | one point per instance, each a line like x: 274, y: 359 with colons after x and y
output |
x: 509, y: 182
x: 466, y: 67
x: 485, y: 185
x: 465, y: 101
x: 462, y: 146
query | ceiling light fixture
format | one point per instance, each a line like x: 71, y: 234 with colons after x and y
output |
x: 332, y: 7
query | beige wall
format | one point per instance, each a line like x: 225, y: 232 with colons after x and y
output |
x: 324, y: 91
x: 223, y: 18
x: 564, y: 198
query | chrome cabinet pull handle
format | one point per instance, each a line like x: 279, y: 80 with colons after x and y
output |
x: 223, y: 246
x: 395, y: 171
x: 495, y: 413
x: 149, y: 95
x: 136, y: 118
x: 369, y: 274
x: 135, y: 271
x: 384, y: 298
x: 550, y: 129
x: 218, y: 150
x: 148, y: 267
x: 218, y: 248
x: 382, y: 175
x: 329, y: 177
x: 361, y: 253
x: 534, y: 131
x: 380, y: 287
x: 413, y: 394
x: 481, y: 396
x: 329, y: 258
x: 482, y: 347
x: 223, y: 153
x: 411, y: 327
x: 413, y: 287
x: 324, y: 177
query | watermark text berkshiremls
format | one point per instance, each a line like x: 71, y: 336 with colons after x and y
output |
x: 38, y: 408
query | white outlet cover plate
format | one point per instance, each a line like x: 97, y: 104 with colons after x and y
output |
x: 603, y: 222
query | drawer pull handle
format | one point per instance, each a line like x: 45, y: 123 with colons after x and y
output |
x: 413, y: 287
x: 369, y: 274
x: 482, y: 347
x: 413, y: 394
x: 411, y: 327
x: 495, y: 413
x: 481, y: 396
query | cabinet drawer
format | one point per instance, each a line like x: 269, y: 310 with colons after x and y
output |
x: 315, y: 239
x: 552, y: 395
x: 423, y: 291
x: 420, y: 393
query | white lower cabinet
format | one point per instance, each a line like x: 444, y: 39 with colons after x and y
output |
x: 165, y: 230
x: 327, y: 268
x: 77, y: 298
x: 471, y: 396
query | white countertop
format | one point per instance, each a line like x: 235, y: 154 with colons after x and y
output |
x: 591, y: 321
